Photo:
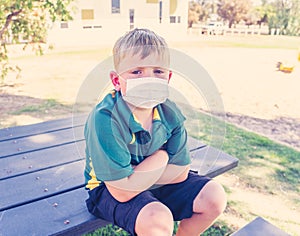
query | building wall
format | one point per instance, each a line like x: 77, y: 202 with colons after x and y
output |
x: 100, y: 25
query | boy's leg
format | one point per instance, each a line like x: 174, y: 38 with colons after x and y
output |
x: 142, y: 215
x: 154, y: 219
x: 207, y: 206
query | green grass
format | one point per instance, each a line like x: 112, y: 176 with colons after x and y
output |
x: 238, y: 41
x: 83, y: 53
x: 108, y: 230
x: 43, y: 107
x: 254, y: 152
x: 235, y: 41
x: 219, y: 228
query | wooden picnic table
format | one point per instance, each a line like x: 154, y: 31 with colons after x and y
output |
x: 42, y: 181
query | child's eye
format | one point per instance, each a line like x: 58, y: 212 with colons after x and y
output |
x: 136, y: 72
x: 158, y: 71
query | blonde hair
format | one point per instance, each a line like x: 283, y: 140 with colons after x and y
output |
x: 140, y: 41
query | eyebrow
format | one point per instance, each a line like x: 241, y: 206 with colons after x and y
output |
x: 152, y: 67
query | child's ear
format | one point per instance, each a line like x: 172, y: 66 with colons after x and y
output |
x: 114, y: 77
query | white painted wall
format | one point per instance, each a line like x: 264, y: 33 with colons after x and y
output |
x: 106, y: 27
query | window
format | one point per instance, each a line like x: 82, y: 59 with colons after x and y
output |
x: 172, y: 19
x: 64, y: 25
x: 131, y: 16
x: 115, y: 6
x: 87, y: 14
x: 178, y: 19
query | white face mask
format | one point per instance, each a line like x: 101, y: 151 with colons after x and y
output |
x: 146, y: 92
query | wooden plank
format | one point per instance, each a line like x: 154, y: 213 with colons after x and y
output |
x: 79, y: 219
x: 194, y: 144
x: 211, y: 161
x: 40, y: 141
x: 28, y: 144
x: 36, y: 142
x: 258, y: 227
x: 16, y: 132
x: 46, y: 158
x: 49, y: 216
x: 42, y: 159
x: 31, y: 187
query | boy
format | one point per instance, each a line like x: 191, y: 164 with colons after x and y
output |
x: 137, y: 160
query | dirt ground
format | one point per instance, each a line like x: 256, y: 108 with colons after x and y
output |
x: 255, y: 95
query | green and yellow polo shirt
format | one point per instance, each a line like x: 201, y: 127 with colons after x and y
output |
x: 115, y: 140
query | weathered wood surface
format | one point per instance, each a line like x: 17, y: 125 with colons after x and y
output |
x: 42, y: 182
x: 260, y: 227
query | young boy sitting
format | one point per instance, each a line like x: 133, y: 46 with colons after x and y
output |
x: 137, y: 159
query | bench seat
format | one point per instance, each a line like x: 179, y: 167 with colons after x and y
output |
x: 42, y: 182
x: 259, y: 227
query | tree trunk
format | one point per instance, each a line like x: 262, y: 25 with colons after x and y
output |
x: 8, y: 21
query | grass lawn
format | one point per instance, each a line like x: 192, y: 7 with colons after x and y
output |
x: 240, y: 41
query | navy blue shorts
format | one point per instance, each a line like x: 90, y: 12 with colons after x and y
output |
x: 178, y: 198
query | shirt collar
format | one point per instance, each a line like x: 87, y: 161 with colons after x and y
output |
x: 128, y: 117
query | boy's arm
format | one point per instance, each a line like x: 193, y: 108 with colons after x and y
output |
x: 144, y: 176
x: 179, y: 157
x: 174, y: 174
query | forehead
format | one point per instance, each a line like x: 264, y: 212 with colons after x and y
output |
x: 130, y: 61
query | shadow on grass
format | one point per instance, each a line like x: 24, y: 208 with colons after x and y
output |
x: 12, y: 106
x: 283, y: 129
x: 263, y: 163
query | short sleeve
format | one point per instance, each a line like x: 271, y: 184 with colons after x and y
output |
x: 176, y: 147
x: 106, y: 147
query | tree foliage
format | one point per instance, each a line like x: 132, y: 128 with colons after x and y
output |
x: 234, y: 10
x: 294, y: 19
x: 285, y: 17
x: 199, y: 11
x: 27, y: 21
x: 264, y: 12
x: 282, y: 15
x: 193, y: 15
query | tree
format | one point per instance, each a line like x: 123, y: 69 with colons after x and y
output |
x: 252, y: 17
x: 199, y: 11
x: 294, y: 19
x: 264, y: 12
x: 193, y: 14
x: 282, y: 15
x: 286, y: 17
x: 27, y: 21
x: 233, y: 10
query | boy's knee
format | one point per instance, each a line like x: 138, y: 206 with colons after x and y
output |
x: 154, y: 218
x: 211, y: 199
